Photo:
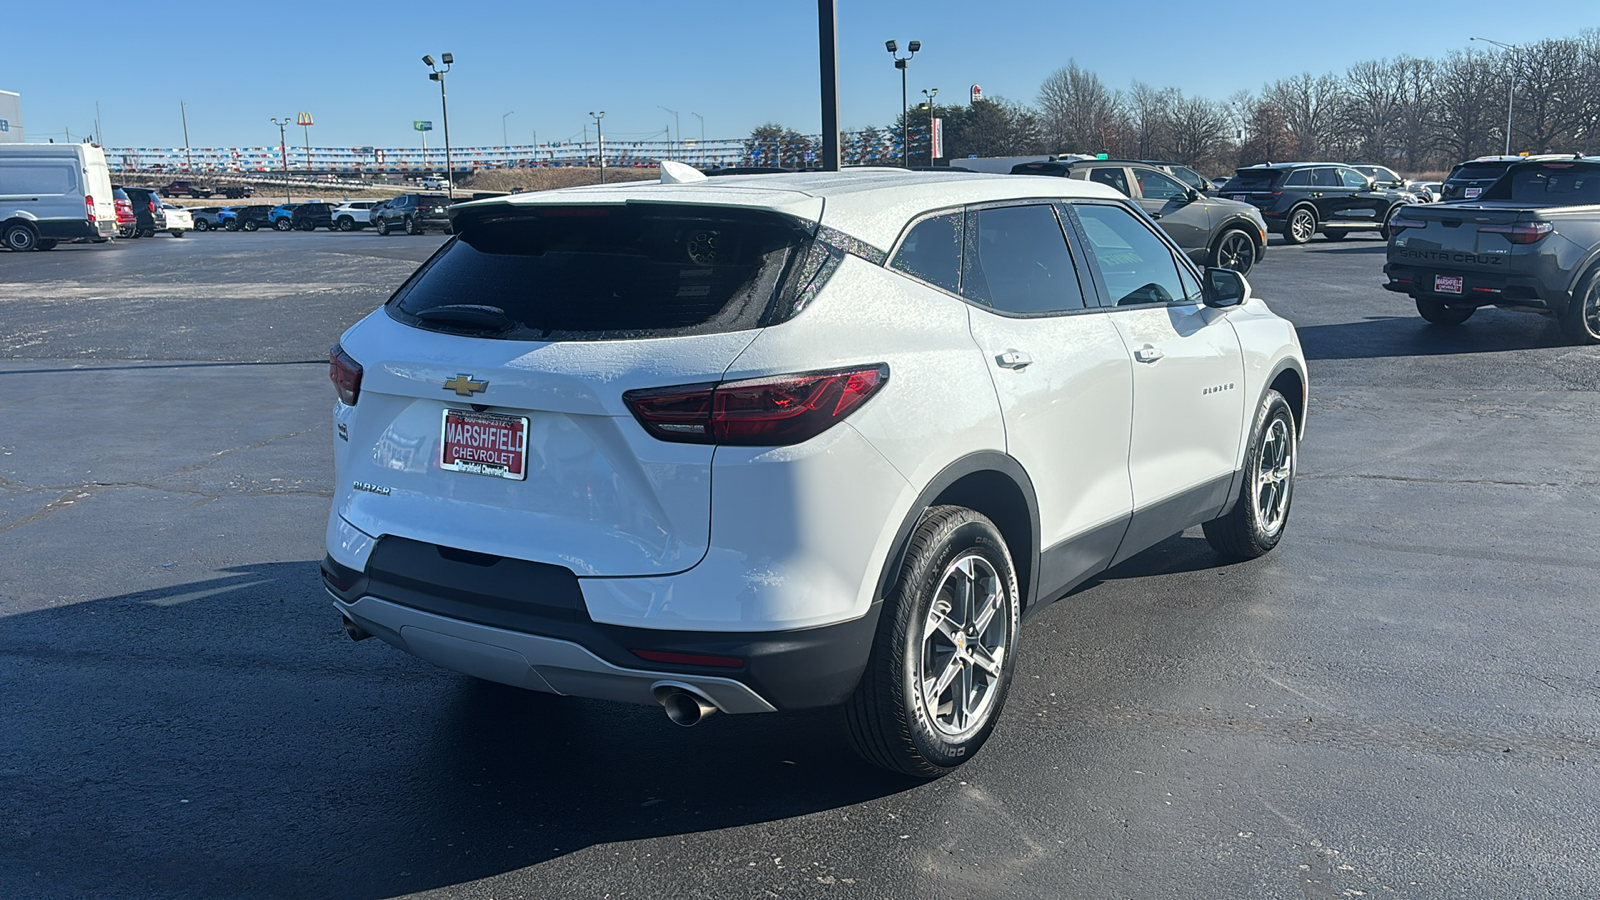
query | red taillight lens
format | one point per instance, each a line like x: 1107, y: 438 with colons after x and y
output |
x: 1397, y: 222
x: 152, y: 205
x: 690, y: 659
x: 759, y: 412
x: 1521, y: 232
x: 345, y: 374
x: 88, y: 207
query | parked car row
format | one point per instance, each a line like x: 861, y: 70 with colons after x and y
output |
x: 408, y: 213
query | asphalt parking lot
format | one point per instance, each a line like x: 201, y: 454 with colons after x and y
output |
x: 1402, y: 700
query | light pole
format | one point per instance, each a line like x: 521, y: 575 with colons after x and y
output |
x: 930, y: 94
x: 283, y: 143
x: 677, y: 128
x: 599, y: 142
x: 504, y: 141
x: 1511, y: 85
x: 700, y: 151
x: 900, y: 63
x: 438, y: 75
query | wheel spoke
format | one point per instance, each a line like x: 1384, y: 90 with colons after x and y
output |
x: 991, y: 605
x: 939, y: 621
x: 988, y: 660
x: 952, y: 668
x: 963, y: 697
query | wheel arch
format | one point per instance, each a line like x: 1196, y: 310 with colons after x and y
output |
x: 990, y: 483
x: 1237, y: 223
x: 1289, y: 380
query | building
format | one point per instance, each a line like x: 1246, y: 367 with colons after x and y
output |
x: 10, y: 118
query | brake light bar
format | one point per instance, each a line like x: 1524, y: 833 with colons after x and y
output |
x: 1521, y: 232
x: 757, y: 412
x: 345, y: 373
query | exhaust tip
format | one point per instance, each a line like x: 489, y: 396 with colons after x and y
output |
x: 356, y: 632
x: 684, y: 705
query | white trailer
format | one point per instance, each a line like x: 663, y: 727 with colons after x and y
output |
x: 10, y: 118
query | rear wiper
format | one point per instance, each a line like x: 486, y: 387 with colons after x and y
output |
x: 468, y: 315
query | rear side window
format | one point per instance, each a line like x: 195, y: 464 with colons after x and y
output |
x: 603, y: 272
x: 1137, y: 266
x: 1021, y: 263
x: 1301, y: 178
x: 38, y: 178
x: 931, y: 252
x: 1563, y: 183
x: 1116, y: 178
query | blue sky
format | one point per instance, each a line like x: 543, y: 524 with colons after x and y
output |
x: 357, y: 67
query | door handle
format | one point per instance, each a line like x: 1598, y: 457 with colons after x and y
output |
x: 1014, y: 359
x: 1148, y: 354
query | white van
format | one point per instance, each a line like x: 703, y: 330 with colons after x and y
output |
x: 54, y: 192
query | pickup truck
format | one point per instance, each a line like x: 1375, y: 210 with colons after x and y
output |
x: 186, y: 188
x: 1530, y: 241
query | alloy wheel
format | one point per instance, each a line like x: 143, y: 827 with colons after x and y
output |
x: 1304, y: 225
x: 1237, y: 252
x: 1274, y: 475
x: 965, y: 639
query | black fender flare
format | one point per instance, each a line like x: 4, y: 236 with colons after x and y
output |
x: 983, y: 461
x: 1242, y: 223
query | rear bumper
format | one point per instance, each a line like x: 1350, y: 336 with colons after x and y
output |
x: 1477, y: 288
x: 527, y: 627
x: 69, y: 229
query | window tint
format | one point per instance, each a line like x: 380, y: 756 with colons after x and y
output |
x: 1156, y: 186
x: 1353, y: 179
x: 1138, y: 266
x: 1021, y: 264
x: 1301, y: 178
x: 38, y: 178
x: 1117, y: 178
x: 932, y: 252
x: 1191, y: 284
x: 1189, y: 176
x: 591, y: 273
x: 1325, y: 178
x: 1254, y: 179
x: 1564, y: 183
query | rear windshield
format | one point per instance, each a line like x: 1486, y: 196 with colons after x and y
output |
x: 1566, y: 184
x: 1479, y: 172
x: 1253, y: 179
x: 603, y: 272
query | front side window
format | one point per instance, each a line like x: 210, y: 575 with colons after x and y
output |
x: 1020, y: 262
x: 931, y: 252
x: 1137, y: 266
x: 1353, y: 179
x: 1154, y: 185
x: 1115, y: 177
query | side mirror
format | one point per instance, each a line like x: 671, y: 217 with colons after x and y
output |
x: 1224, y: 288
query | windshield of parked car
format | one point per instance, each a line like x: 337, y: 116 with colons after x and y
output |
x: 591, y: 272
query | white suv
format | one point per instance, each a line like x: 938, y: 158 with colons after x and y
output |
x: 784, y: 441
x: 352, y: 214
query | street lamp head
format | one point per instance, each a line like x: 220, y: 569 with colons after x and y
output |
x: 427, y: 60
x: 914, y: 46
x: 447, y: 58
x: 433, y: 76
x: 891, y: 46
x: 900, y: 63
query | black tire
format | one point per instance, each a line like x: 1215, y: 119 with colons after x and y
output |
x: 1581, y: 322
x: 1301, y: 225
x: 20, y: 238
x: 230, y: 225
x: 135, y: 234
x: 178, y: 233
x: 47, y: 244
x: 1437, y: 313
x: 1261, y: 508
x: 283, y: 224
x: 1334, y: 234
x: 346, y: 223
x: 889, y: 718
x: 251, y: 225
x: 202, y: 225
x: 1235, y: 250
x: 383, y: 227
x: 413, y: 226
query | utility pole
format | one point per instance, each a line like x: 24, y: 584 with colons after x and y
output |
x: 504, y: 141
x: 1511, y: 84
x: 600, y: 143
x: 828, y: 64
x: 183, y: 110
x: 672, y: 146
x: 931, y: 142
x: 283, y: 152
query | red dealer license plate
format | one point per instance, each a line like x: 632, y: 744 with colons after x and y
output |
x: 484, y: 444
x: 1447, y: 284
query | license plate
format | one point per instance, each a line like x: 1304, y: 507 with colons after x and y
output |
x: 1447, y: 284
x: 484, y: 444
x: 1241, y: 196
x: 1471, y: 193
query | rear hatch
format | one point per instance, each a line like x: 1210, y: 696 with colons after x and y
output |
x: 1258, y: 187
x: 490, y: 416
x: 1468, y: 180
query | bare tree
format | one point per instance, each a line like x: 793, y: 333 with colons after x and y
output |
x: 1309, y: 106
x: 1469, y: 95
x: 1267, y: 136
x: 1550, y: 111
x: 1076, y: 110
x: 1198, y: 131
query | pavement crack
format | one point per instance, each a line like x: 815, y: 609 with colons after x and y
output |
x: 49, y: 509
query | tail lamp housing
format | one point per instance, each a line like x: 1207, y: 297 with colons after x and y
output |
x: 88, y: 208
x: 1399, y: 221
x: 757, y: 412
x: 1520, y: 232
x: 345, y: 373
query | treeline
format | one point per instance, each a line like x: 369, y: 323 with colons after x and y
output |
x: 1412, y: 113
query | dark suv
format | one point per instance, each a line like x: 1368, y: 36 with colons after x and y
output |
x: 148, y: 215
x: 1469, y: 179
x: 1210, y: 231
x: 412, y: 214
x: 250, y: 218
x: 1301, y: 199
x: 311, y: 216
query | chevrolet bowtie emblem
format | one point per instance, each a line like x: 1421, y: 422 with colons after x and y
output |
x: 464, y: 386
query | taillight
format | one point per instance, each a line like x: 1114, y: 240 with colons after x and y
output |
x: 1521, y: 232
x: 88, y: 208
x: 758, y: 412
x: 1397, y: 222
x: 152, y: 205
x: 345, y: 374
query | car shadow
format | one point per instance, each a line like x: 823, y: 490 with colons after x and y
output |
x: 235, y: 743
x: 1488, y: 331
